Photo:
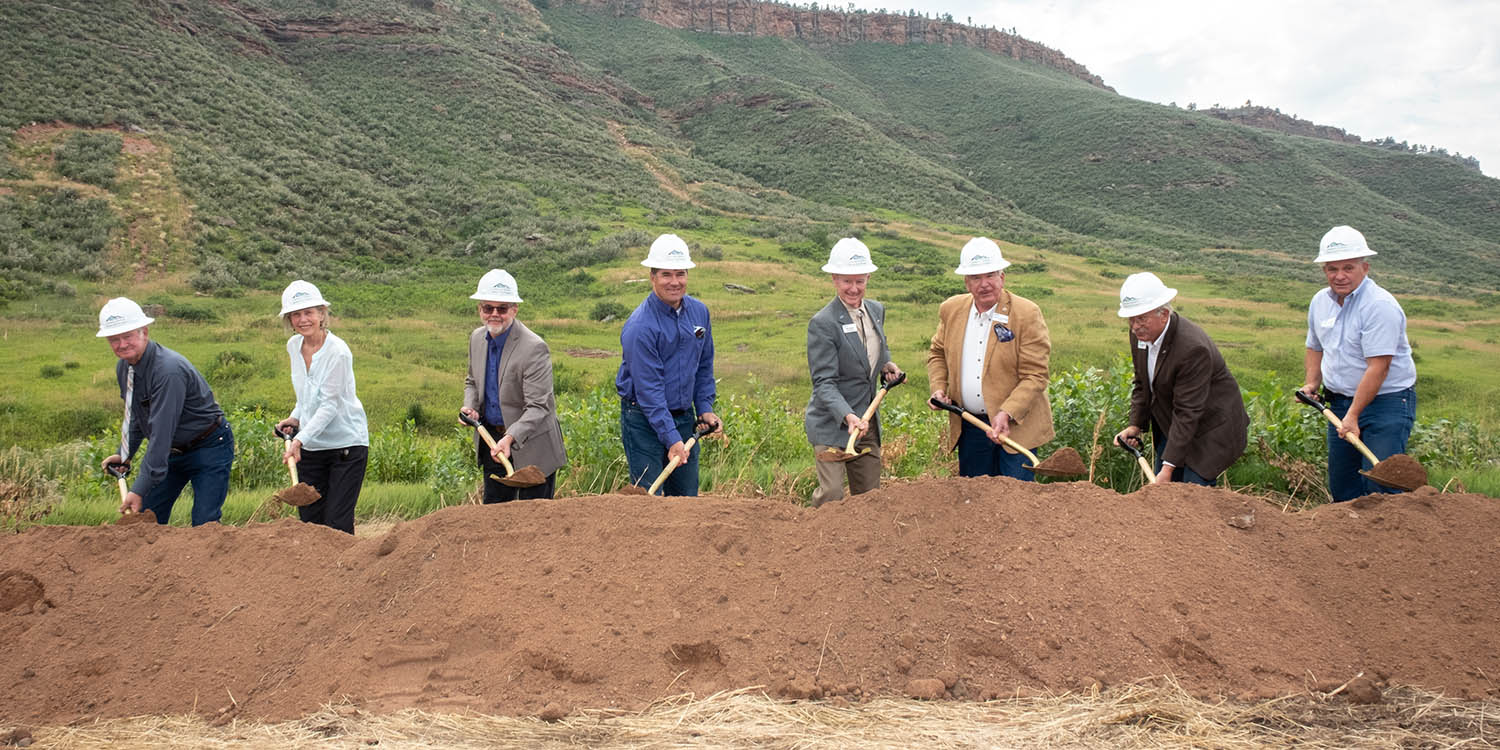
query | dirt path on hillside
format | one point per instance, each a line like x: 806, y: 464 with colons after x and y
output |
x: 988, y: 586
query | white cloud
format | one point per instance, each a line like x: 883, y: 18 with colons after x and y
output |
x: 1423, y: 73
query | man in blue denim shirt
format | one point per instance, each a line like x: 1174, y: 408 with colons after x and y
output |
x: 666, y: 379
x: 1358, y: 352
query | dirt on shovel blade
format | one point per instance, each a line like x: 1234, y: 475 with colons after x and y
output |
x: 834, y: 455
x: 145, y: 516
x: 526, y: 476
x: 1064, y: 463
x: 1400, y: 471
x: 299, y: 494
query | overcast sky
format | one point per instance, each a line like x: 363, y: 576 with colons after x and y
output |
x: 1425, y: 72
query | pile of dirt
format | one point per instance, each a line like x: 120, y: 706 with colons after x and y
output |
x: 962, y: 588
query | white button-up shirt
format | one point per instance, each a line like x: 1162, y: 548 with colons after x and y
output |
x: 329, y: 414
x: 1153, y: 350
x: 1370, y: 323
x: 976, y: 344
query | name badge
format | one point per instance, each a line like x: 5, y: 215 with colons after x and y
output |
x: 1002, y: 318
x: 1142, y: 345
x: 849, y: 328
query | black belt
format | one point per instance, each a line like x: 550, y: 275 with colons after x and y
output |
x: 197, y: 440
x: 1327, y: 394
x: 674, y: 412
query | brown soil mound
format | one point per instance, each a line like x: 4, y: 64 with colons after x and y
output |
x: 988, y: 586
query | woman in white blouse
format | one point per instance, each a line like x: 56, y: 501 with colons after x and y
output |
x: 332, y: 440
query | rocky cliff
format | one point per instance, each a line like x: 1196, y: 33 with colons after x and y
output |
x: 773, y: 19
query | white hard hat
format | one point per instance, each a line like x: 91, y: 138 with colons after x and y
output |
x: 120, y: 315
x: 849, y: 256
x: 497, y: 286
x: 669, y: 252
x: 980, y: 255
x: 1142, y: 293
x: 1342, y: 243
x: 300, y: 295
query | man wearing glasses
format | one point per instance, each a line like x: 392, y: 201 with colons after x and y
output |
x: 508, y: 389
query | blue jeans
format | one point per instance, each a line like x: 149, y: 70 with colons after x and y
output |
x: 978, y: 457
x: 646, y: 456
x: 207, y: 467
x: 1182, y: 473
x: 1384, y: 427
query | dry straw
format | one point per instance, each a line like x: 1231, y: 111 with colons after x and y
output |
x: 1155, y: 714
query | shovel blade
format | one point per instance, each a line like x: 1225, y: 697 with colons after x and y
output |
x: 145, y: 516
x: 1399, y: 471
x: 298, y: 495
x: 526, y: 476
x: 834, y: 455
x: 1065, y: 462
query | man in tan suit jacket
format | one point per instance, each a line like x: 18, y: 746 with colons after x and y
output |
x: 509, y: 390
x: 990, y: 353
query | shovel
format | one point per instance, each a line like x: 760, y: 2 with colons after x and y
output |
x: 633, y: 489
x: 1140, y: 459
x: 118, y: 471
x: 299, y: 494
x: 1065, y: 462
x: 1399, y: 471
x: 527, y: 476
x: 848, y: 453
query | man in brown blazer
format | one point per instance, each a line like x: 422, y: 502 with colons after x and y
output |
x: 990, y: 353
x: 1182, y: 386
x: 509, y: 390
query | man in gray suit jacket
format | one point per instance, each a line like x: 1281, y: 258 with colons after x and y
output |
x: 509, y: 390
x: 1183, y: 389
x: 846, y: 351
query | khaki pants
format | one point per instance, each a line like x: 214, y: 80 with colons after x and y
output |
x: 863, y: 472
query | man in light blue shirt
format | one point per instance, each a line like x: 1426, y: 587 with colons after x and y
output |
x: 1358, y: 353
x: 666, y: 378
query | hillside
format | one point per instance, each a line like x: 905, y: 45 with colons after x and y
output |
x: 373, y: 139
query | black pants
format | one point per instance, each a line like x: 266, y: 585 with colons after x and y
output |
x: 495, y: 492
x: 337, y: 474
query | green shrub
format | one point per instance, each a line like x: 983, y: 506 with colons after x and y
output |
x: 609, y: 309
x: 51, y: 371
x: 90, y: 157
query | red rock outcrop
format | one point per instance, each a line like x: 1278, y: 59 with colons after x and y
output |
x: 772, y: 19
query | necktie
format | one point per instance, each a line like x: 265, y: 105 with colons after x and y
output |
x: 125, y: 425
x: 870, y: 340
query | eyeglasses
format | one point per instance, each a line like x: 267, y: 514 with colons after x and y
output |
x: 493, y: 309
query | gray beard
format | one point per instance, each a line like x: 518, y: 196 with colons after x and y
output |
x: 496, y: 330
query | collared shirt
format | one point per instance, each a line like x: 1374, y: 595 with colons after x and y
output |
x: 667, y: 362
x: 172, y: 406
x: 1370, y: 323
x: 329, y: 414
x: 496, y: 346
x: 865, y: 327
x: 1153, y: 349
x: 977, y: 335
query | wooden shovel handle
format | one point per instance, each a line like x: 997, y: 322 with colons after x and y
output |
x: 1140, y: 461
x: 687, y: 447
x: 490, y: 441
x: 1337, y: 423
x: 977, y: 422
x: 870, y: 412
x: 291, y: 465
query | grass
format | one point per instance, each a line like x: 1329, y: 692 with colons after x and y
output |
x: 1149, y: 714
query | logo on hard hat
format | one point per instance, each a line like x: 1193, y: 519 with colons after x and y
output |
x: 857, y: 258
x: 977, y: 259
x: 300, y: 295
x: 114, y: 319
x: 674, y: 253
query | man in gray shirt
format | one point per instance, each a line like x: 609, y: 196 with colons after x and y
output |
x: 170, y: 405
